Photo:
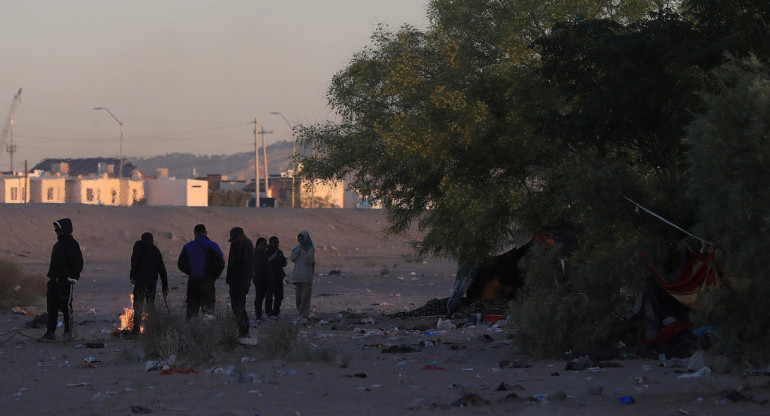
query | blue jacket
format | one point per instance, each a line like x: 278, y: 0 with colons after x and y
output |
x: 195, y: 251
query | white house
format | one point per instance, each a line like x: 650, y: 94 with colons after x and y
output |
x: 177, y: 192
x: 131, y: 191
x: 93, y: 190
x: 47, y: 189
x: 14, y: 189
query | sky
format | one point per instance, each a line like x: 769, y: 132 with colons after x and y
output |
x: 184, y: 76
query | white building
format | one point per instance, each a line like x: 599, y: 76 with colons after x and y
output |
x: 131, y: 191
x: 14, y: 189
x: 177, y: 192
x: 93, y: 190
x: 47, y: 189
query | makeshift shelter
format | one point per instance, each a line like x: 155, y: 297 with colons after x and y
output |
x: 499, y: 277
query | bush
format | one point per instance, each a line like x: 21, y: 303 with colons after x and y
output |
x: 284, y: 340
x: 196, y: 340
x: 18, y: 289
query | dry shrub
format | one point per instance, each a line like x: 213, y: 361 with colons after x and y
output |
x: 196, y: 340
x: 285, y: 340
x: 17, y: 288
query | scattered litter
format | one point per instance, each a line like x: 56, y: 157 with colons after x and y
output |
x: 90, y: 362
x: 400, y: 349
x: 290, y: 372
x: 703, y: 372
x: 140, y: 409
x: 433, y: 367
x: 171, y: 370
x: 249, y: 359
x: 401, y: 365
x: 626, y: 400
x: 359, y: 375
x: 248, y: 341
x: 514, y: 364
x: 445, y: 324
x: 471, y: 399
x: 79, y: 384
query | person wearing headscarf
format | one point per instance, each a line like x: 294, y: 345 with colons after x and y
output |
x: 63, y: 271
x: 303, y: 257
x: 146, y: 265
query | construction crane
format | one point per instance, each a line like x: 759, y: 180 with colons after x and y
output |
x: 8, y: 128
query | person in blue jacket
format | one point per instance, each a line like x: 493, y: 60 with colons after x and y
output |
x: 201, y: 293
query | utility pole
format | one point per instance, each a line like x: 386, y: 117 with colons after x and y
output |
x: 11, y: 147
x: 264, y: 154
x: 256, y: 165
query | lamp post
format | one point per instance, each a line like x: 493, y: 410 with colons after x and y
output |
x: 293, y: 152
x: 120, y: 169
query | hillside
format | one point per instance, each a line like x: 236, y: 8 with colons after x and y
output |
x: 239, y: 165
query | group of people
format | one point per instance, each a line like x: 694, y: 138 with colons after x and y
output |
x: 202, y: 261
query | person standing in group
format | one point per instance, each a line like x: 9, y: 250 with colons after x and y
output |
x: 63, y: 271
x: 240, y: 269
x: 262, y: 276
x: 303, y: 257
x: 201, y: 293
x: 146, y: 266
x: 274, y: 295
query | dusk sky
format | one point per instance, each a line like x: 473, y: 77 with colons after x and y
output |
x: 183, y: 76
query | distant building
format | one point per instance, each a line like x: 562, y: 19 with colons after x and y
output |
x: 47, y: 189
x: 93, y: 190
x: 177, y: 192
x: 14, y: 189
x: 86, y: 166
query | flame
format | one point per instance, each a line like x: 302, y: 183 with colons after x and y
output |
x: 127, y: 319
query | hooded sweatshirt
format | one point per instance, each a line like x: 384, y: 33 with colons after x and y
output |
x: 303, y: 256
x: 66, y: 257
x: 147, y: 263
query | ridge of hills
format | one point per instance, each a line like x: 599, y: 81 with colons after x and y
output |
x: 235, y: 166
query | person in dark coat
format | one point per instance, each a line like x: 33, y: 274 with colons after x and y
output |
x: 63, y: 271
x: 146, y: 266
x: 274, y: 295
x: 201, y: 292
x: 262, y: 275
x: 240, y: 269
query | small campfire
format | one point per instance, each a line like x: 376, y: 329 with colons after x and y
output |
x: 127, y: 322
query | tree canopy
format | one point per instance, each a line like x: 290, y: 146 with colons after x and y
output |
x: 509, y: 114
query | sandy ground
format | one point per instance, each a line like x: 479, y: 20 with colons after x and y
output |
x: 378, y: 275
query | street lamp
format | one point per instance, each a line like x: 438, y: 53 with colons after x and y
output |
x: 120, y: 169
x: 293, y: 152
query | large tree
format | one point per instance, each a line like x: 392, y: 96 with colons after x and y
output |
x: 436, y: 125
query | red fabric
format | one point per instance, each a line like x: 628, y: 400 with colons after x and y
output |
x: 432, y: 367
x: 668, y: 332
x: 492, y: 318
x: 178, y: 370
x: 701, y: 272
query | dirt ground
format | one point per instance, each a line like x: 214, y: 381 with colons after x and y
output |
x: 384, y: 365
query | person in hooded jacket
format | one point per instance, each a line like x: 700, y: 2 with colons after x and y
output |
x: 303, y: 257
x: 274, y: 295
x: 63, y: 271
x: 240, y: 269
x: 262, y: 276
x: 201, y: 292
x: 146, y: 266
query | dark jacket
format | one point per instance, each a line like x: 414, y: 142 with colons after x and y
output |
x: 147, y: 263
x: 194, y: 253
x: 277, y: 262
x: 66, y: 257
x: 240, y: 263
x: 262, y: 272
